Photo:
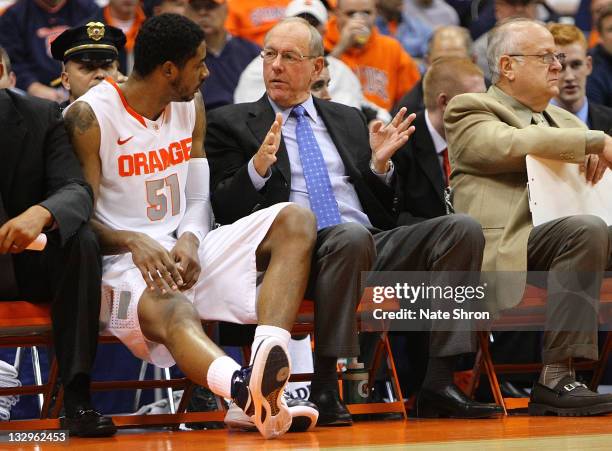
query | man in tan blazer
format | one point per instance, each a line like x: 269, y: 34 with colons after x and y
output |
x: 489, y: 136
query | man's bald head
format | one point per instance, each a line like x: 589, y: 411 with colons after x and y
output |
x: 507, y: 38
x: 525, y: 63
x: 303, y: 28
x: 449, y: 41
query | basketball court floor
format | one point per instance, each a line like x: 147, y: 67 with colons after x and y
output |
x: 514, y: 433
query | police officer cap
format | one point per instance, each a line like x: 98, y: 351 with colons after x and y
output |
x: 92, y: 42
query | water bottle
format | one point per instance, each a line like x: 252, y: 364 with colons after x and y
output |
x: 355, y: 383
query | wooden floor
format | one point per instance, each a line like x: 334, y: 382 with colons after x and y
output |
x: 517, y: 432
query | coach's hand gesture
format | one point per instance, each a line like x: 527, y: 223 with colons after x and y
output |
x: 157, y: 267
x: 266, y: 154
x: 386, y: 139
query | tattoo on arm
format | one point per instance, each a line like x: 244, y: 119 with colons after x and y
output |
x: 79, y: 119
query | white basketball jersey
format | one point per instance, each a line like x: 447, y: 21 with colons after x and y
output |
x: 144, y: 163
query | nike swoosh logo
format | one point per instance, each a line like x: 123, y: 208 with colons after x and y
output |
x: 123, y: 141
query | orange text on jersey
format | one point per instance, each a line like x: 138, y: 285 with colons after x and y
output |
x: 155, y: 160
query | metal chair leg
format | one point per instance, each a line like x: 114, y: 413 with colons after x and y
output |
x: 37, y: 376
x: 169, y: 392
x: 18, y: 356
x: 141, y: 376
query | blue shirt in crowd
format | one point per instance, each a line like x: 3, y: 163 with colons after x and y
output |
x: 26, y: 33
x: 225, y: 69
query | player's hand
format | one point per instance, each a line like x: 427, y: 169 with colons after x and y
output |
x: 157, y: 267
x: 594, y: 168
x: 266, y: 154
x: 185, y: 254
x: 19, y: 232
x: 386, y: 139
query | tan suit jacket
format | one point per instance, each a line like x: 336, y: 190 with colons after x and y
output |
x: 489, y: 134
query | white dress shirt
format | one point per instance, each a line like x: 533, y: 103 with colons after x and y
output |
x: 438, y: 141
x: 344, y: 191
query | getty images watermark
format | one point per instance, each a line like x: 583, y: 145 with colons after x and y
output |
x: 422, y: 301
x: 425, y: 296
x: 483, y: 301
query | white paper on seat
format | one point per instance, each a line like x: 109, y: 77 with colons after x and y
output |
x: 558, y: 189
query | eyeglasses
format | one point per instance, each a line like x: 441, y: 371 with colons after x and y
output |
x: 288, y: 57
x: 547, y: 58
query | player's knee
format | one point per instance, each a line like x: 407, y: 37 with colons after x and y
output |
x: 161, y: 316
x: 296, y: 224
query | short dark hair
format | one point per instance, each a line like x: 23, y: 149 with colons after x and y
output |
x: 167, y: 37
x: 603, y: 14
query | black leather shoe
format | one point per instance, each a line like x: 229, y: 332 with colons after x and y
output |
x: 332, y: 411
x: 304, y: 415
x: 568, y: 399
x: 451, y: 402
x: 88, y: 423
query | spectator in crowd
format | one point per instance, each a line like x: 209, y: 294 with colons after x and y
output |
x: 344, y: 85
x: 422, y: 164
x: 352, y: 198
x: 599, y: 83
x: 89, y: 54
x: 596, y: 7
x: 226, y: 55
x: 573, y: 77
x: 320, y: 86
x: 156, y: 7
x: 411, y: 32
x: 8, y: 79
x: 422, y: 173
x: 43, y: 190
x: 27, y: 29
x: 158, y: 245
x: 128, y: 16
x: 445, y: 42
x: 488, y: 137
x: 251, y: 19
x: 435, y: 13
x: 504, y: 10
x: 385, y: 70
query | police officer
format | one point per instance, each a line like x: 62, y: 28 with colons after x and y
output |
x: 89, y: 53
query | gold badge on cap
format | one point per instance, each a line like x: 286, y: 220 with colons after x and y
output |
x: 95, y: 30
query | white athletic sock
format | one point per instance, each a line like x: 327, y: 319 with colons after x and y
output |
x: 261, y: 332
x: 301, y: 362
x: 219, y: 376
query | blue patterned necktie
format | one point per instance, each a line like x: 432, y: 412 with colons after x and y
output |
x: 322, y: 200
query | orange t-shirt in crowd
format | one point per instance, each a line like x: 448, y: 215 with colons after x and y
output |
x: 251, y: 19
x: 385, y: 70
x: 130, y: 36
x: 594, y: 38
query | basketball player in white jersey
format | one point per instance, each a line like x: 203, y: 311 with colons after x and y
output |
x: 141, y: 147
